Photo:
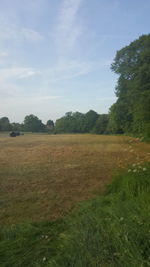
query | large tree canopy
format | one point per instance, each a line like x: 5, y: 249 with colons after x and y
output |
x: 76, y: 122
x: 132, y: 63
x: 33, y: 124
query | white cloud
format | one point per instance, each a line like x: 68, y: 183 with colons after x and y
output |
x: 19, y: 34
x: 65, y: 70
x: 67, y: 30
x: 3, y: 55
x: 9, y: 78
x: 6, y: 74
x: 3, y: 58
x: 69, y: 69
x: 31, y: 35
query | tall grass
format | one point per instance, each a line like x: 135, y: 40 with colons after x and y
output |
x: 112, y: 230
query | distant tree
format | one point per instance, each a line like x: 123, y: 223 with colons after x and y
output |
x: 33, y: 124
x: 101, y: 124
x: 66, y: 124
x: 79, y: 120
x: 76, y: 122
x: 60, y: 125
x: 90, y: 119
x: 5, y: 124
x: 50, y: 126
x: 16, y: 126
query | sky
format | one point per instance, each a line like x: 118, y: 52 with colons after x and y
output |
x: 55, y: 55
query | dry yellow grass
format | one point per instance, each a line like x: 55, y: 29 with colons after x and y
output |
x: 43, y: 176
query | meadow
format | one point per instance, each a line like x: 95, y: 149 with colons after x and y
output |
x: 61, y: 205
x: 42, y: 177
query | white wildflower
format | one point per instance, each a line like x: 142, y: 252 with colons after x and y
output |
x: 144, y: 169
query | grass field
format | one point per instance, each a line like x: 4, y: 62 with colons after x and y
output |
x: 43, y: 176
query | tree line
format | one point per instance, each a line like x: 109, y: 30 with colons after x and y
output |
x: 131, y: 112
x: 31, y: 123
x: 72, y: 122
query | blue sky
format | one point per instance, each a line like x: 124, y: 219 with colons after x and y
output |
x: 55, y: 55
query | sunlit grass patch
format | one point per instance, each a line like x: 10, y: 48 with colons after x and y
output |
x: 42, y: 177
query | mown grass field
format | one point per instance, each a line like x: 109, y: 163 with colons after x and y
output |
x: 42, y: 177
x: 74, y: 201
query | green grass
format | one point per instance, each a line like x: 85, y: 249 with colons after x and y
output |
x: 29, y: 244
x: 112, y: 230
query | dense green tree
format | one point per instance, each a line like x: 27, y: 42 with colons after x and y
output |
x: 79, y: 121
x: 16, y: 127
x: 76, y: 122
x: 5, y: 124
x: 66, y: 124
x: 131, y: 112
x: 33, y: 124
x: 101, y: 124
x: 117, y: 118
x: 50, y: 126
x: 90, y: 119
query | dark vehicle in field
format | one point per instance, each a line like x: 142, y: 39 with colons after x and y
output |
x: 14, y: 134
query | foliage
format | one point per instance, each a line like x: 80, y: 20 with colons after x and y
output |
x: 101, y: 124
x: 16, y: 126
x: 50, y: 123
x: 66, y: 124
x: 131, y: 112
x: 76, y: 122
x: 49, y: 126
x: 4, y: 124
x: 33, y: 124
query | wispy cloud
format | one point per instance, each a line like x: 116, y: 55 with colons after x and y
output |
x: 20, y: 34
x: 3, y: 55
x: 66, y: 70
x: 9, y: 77
x: 31, y: 35
x: 67, y: 29
x: 6, y: 74
x: 3, y: 58
x: 69, y: 69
